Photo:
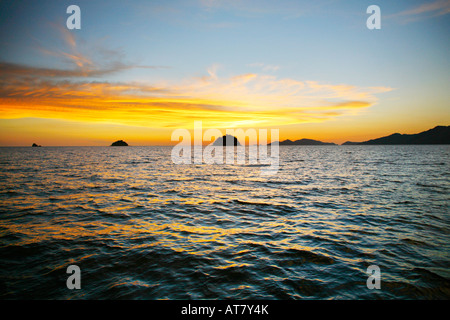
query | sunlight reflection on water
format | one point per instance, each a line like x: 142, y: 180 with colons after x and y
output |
x: 141, y: 227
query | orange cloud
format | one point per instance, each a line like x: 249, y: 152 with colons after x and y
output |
x: 243, y: 100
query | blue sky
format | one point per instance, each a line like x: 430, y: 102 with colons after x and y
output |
x: 166, y: 44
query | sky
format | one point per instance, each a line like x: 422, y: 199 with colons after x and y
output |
x: 138, y: 70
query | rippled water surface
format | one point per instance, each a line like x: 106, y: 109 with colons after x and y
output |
x: 140, y: 227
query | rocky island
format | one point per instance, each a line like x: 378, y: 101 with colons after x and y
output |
x: 305, y: 142
x: 437, y: 135
x: 119, y: 143
x: 226, y: 140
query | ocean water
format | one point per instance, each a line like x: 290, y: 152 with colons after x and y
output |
x: 140, y: 227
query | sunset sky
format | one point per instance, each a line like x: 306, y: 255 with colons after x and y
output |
x: 137, y: 70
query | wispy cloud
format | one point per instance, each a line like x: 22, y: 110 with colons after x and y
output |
x: 264, y: 67
x: 246, y: 99
x: 424, y: 11
x: 79, y: 92
x: 81, y: 61
x: 14, y: 70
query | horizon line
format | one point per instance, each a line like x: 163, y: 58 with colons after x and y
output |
x: 268, y: 143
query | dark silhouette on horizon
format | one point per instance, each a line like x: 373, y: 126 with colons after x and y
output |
x: 305, y: 142
x: 437, y: 135
x: 226, y: 140
x: 119, y: 143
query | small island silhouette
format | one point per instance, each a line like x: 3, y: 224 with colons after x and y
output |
x: 119, y: 143
x: 437, y: 135
x: 36, y: 145
x: 304, y: 142
x: 226, y: 140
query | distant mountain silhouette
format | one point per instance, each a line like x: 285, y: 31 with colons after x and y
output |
x: 36, y: 145
x: 305, y: 142
x: 222, y: 141
x: 119, y: 143
x: 350, y: 143
x: 437, y: 135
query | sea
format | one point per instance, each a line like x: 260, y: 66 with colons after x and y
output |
x: 335, y: 222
